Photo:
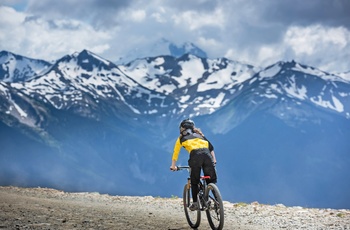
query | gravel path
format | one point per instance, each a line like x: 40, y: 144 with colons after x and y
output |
x: 42, y: 208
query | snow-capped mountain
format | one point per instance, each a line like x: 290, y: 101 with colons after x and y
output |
x: 15, y: 68
x: 291, y: 92
x: 199, y: 86
x: 309, y: 85
x: 92, y: 120
x: 161, y: 86
x: 82, y: 81
x: 162, y: 47
x: 166, y: 86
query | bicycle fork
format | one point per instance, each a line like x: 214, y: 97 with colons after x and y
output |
x: 203, y: 204
x: 189, y: 190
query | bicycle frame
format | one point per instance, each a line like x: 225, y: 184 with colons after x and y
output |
x: 202, y: 186
x: 212, y: 204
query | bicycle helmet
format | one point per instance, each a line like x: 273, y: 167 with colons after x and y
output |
x: 186, y: 124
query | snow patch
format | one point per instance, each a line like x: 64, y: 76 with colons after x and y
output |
x: 270, y: 72
x: 294, y: 91
x: 335, y: 104
x: 217, y: 80
x: 191, y: 72
x: 184, y: 99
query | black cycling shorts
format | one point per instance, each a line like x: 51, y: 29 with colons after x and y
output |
x: 202, y: 159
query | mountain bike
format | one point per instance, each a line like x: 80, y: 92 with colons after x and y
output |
x: 209, y: 199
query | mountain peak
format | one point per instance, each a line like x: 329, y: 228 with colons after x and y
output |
x: 283, y: 66
x: 163, y: 47
x: 186, y: 48
x: 286, y: 64
x: 88, y: 60
x: 5, y: 53
x: 15, y: 68
x: 86, y: 54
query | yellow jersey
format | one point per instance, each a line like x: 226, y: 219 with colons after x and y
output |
x: 191, y: 142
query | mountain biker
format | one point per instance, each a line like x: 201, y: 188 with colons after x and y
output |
x: 202, y: 156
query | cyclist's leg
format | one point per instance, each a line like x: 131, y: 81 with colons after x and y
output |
x: 195, y: 162
x: 209, y: 169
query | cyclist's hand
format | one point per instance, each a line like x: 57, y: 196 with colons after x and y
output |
x: 173, y: 168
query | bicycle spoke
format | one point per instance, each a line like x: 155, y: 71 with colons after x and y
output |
x: 193, y: 217
x: 215, y: 212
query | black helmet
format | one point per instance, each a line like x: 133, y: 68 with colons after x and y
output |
x: 187, y: 124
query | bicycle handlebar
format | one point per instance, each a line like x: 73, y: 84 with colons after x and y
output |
x: 178, y: 168
x: 182, y: 167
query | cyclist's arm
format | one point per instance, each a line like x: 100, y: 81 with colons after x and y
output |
x: 173, y: 165
x: 213, y: 156
x: 176, y: 152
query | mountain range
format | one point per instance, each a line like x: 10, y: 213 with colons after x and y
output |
x: 84, y: 123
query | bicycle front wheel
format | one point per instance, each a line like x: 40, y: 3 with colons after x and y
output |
x: 215, y: 211
x: 193, y: 217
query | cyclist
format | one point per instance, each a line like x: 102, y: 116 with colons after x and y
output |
x: 202, y: 156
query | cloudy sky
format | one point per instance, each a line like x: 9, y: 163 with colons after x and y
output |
x: 258, y: 32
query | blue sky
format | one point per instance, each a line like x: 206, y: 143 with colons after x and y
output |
x: 258, y: 32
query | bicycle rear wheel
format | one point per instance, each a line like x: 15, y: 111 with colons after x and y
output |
x: 193, y: 217
x: 215, y: 211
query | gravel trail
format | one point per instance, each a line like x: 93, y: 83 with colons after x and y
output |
x: 43, y: 208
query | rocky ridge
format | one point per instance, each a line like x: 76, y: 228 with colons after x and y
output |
x: 44, y: 208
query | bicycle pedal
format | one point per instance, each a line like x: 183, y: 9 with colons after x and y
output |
x: 204, y: 206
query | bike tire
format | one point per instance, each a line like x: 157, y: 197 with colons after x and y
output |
x: 215, y: 211
x: 193, y: 217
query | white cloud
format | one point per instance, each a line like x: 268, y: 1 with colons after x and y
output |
x: 196, y: 20
x: 11, y: 31
x: 160, y: 15
x: 308, y: 40
x: 243, y: 30
x: 324, y: 47
x: 9, y: 16
x: 138, y: 15
x: 39, y: 38
x: 271, y: 53
x: 207, y: 42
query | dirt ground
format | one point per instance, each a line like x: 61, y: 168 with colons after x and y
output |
x: 40, y: 208
x: 43, y: 208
